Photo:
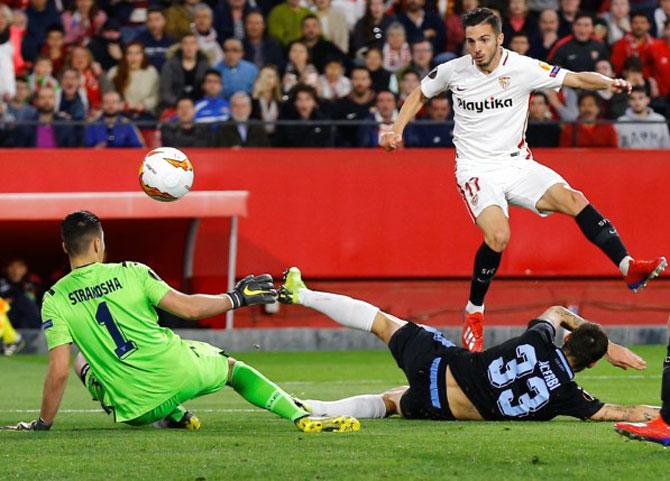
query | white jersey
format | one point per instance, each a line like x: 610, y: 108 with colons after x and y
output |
x: 491, y: 110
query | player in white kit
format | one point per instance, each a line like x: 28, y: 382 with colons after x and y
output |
x: 491, y: 90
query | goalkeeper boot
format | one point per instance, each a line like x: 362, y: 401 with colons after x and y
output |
x: 657, y: 431
x: 288, y: 293
x: 473, y: 331
x: 336, y: 424
x: 16, y: 346
x: 190, y: 422
x: 641, y: 272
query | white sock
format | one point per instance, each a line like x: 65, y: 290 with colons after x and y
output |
x: 470, y: 308
x: 341, y: 309
x: 369, y: 406
x: 623, y: 265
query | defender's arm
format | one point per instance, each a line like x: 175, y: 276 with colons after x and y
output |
x: 615, y: 412
x: 617, y: 355
x: 391, y: 140
x: 596, y: 81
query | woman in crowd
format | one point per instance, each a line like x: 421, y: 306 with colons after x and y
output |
x: 298, y: 68
x: 267, y: 97
x: 7, y: 82
x: 137, y: 82
x: 82, y: 22
x: 369, y: 31
x: 92, y: 77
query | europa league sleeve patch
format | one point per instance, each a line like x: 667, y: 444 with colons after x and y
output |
x: 433, y: 73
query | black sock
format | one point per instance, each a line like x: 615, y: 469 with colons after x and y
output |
x: 486, y: 264
x: 602, y: 233
x: 665, y: 387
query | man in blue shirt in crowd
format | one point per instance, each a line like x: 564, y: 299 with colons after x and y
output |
x: 212, y: 107
x: 436, y: 134
x: 112, y: 129
x: 237, y: 74
x: 156, y: 42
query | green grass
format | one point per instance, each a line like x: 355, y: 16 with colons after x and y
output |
x: 254, y: 445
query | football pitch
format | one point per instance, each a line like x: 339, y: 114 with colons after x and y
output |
x: 239, y: 442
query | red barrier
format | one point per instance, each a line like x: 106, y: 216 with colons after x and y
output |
x: 353, y: 213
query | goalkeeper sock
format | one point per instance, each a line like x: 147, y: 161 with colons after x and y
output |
x: 178, y: 414
x: 341, y: 309
x: 369, y: 406
x: 261, y: 392
x: 602, y: 233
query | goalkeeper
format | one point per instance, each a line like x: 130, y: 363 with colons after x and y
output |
x: 142, y: 373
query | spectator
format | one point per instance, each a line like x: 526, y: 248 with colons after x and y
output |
x: 112, y: 129
x: 600, y: 31
x: 661, y: 16
x: 564, y: 103
x: 422, y: 24
x: 519, y: 43
x: 517, y: 20
x: 91, y: 77
x: 185, y: 132
x: 83, y: 22
x: 641, y: 127
x: 156, y: 42
x: 18, y: 111
x: 353, y: 10
x: 285, y: 21
x: 54, y: 48
x: 356, y: 106
x: 333, y: 84
x: 618, y: 20
x: 383, y: 115
x: 45, y: 134
x: 298, y: 69
x: 538, y: 6
x: 454, y: 25
x: 661, y: 59
x: 229, y: 19
x: 437, y: 133
x: 369, y: 31
x: 422, y: 58
x: 42, y: 75
x: 71, y: 105
x: 382, y: 79
x: 179, y: 18
x: 182, y: 74
x: 137, y: 82
x: 542, y: 130
x: 637, y: 43
x: 567, y: 16
x: 396, y: 51
x: 588, y: 133
x: 267, y: 97
x: 7, y: 72
x: 308, y: 125
x: 320, y: 50
x: 612, y: 106
x: 333, y: 24
x: 41, y: 14
x: 212, y: 107
x: 578, y: 52
x: 107, y: 48
x: 23, y: 291
x: 238, y: 132
x: 206, y: 35
x: 259, y: 48
x: 238, y: 74
x: 409, y: 80
x: 18, y: 26
x: 548, y: 35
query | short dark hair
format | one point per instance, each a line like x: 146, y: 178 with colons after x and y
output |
x: 585, y: 95
x: 639, y: 14
x: 308, y: 17
x: 156, y: 9
x: 55, y: 28
x: 184, y: 97
x: 301, y: 87
x: 539, y: 93
x: 518, y: 34
x: 359, y: 67
x: 211, y: 71
x: 78, y: 229
x: 582, y: 14
x: 639, y: 88
x: 410, y: 71
x: 481, y: 16
x: 585, y: 345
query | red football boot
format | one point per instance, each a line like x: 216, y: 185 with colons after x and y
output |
x: 641, y: 272
x: 473, y: 331
x: 657, y: 431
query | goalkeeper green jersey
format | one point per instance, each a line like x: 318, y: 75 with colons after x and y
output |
x: 107, y: 310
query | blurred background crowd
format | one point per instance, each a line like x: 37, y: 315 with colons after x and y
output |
x: 186, y: 73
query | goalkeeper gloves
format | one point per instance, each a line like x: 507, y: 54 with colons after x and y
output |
x: 38, y: 425
x: 253, y: 290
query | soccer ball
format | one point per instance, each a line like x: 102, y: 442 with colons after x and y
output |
x: 166, y: 174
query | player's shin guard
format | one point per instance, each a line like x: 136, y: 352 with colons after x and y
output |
x: 602, y: 233
x: 368, y: 406
x: 344, y: 310
x: 261, y: 392
x: 665, y: 387
x: 486, y: 264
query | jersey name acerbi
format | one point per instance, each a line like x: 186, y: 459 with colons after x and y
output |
x: 549, y: 376
x: 90, y: 293
x: 480, y: 105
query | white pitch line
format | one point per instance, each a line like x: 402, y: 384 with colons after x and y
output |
x: 87, y: 411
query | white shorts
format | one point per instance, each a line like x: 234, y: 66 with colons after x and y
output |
x: 520, y: 183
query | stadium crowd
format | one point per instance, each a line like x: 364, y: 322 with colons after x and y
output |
x: 126, y: 73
